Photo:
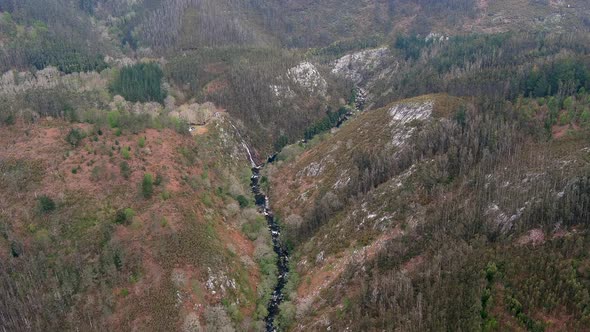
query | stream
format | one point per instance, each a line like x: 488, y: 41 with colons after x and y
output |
x: 278, y: 247
x: 263, y: 205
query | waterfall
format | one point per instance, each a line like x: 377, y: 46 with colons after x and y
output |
x: 252, y: 162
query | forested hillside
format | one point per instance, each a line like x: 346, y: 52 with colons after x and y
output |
x: 431, y: 169
x: 428, y: 207
x: 213, y: 47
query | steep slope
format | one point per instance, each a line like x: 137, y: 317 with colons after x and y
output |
x: 237, y: 63
x: 274, y: 93
x: 338, y: 162
x: 110, y: 231
x: 428, y: 208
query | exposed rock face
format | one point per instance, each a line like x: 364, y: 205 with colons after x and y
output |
x: 402, y: 116
x: 353, y: 66
x: 436, y: 37
x: 308, y: 77
x: 281, y: 91
x: 368, y: 69
x: 305, y: 76
x: 218, y: 282
x: 313, y: 170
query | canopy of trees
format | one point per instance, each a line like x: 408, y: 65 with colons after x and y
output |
x: 141, y: 82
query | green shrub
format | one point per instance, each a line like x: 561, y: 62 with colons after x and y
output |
x: 243, y: 201
x: 46, y: 204
x: 491, y: 324
x: 147, y: 186
x: 564, y: 119
x: 281, y: 142
x: 585, y: 117
x: 16, y: 248
x: 286, y: 315
x: 253, y: 228
x: 70, y: 113
x: 166, y: 195
x: 568, y: 103
x: 113, y: 118
x: 125, y: 169
x: 126, y: 153
x: 141, y: 142
x: 75, y: 136
x: 159, y: 179
x: 206, y: 199
x: 491, y: 271
x: 125, y: 216
x: 9, y: 119
x: 461, y: 117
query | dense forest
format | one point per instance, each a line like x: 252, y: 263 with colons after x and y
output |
x: 40, y: 34
x: 141, y: 82
x: 502, y: 65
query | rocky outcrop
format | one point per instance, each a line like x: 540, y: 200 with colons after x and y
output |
x: 354, y: 66
x: 307, y: 76
x: 402, y: 117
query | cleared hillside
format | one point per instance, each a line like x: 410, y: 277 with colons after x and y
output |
x: 103, y: 230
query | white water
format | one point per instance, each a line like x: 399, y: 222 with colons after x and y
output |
x: 252, y: 163
x: 249, y: 155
